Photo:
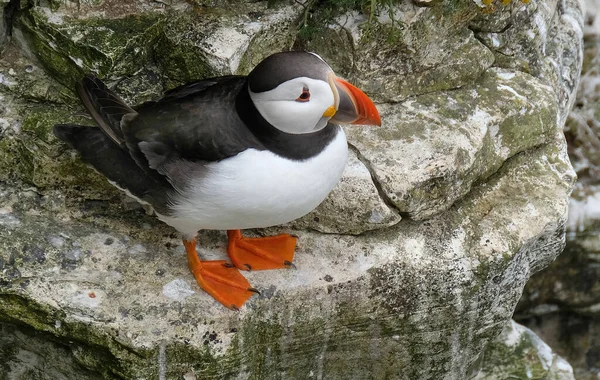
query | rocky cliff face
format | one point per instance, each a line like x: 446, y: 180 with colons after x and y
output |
x: 561, y: 303
x: 408, y: 270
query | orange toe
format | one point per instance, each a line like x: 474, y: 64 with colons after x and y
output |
x: 225, y: 283
x: 222, y: 281
x: 273, y: 252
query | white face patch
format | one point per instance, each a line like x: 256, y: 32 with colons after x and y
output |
x: 281, y: 109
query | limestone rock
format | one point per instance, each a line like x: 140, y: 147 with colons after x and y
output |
x: 177, y: 41
x: 398, y: 51
x: 472, y: 158
x: 561, y: 304
x: 491, y: 114
x: 517, y: 353
x: 423, y: 165
x: 89, y: 269
x: 534, y: 38
x: 109, y: 280
x: 444, y: 76
x: 28, y: 150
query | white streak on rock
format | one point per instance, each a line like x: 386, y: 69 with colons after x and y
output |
x: 177, y: 290
x: 512, y: 91
x: 56, y: 241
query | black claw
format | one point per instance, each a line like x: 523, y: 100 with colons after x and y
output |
x: 289, y: 264
x: 248, y: 266
x: 294, y: 235
x: 235, y: 308
x: 228, y: 265
x: 254, y: 290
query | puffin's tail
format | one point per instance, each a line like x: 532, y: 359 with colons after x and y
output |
x: 105, y: 106
x: 95, y: 147
x: 98, y: 150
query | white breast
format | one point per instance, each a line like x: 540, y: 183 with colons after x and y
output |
x: 257, y: 189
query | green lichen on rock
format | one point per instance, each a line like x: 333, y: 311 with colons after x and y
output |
x: 29, y: 354
x: 3, y: 25
x: 396, y: 50
x: 183, y: 43
x: 37, y: 157
x: 473, y: 130
x: 224, y: 40
x: 69, y: 47
x: 520, y: 354
x: 179, y: 51
x: 278, y: 36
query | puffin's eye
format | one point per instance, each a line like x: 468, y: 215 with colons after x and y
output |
x: 305, y: 96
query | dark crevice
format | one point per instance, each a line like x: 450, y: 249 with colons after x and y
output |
x: 478, y: 37
x: 474, y: 186
x: 482, y: 41
x: 382, y: 194
x: 497, y: 52
x: 493, y: 50
x: 501, y: 169
x: 476, y: 30
x: 10, y: 11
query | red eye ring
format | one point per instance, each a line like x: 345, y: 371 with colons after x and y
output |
x: 305, y: 96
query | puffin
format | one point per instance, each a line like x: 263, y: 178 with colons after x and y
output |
x: 227, y: 153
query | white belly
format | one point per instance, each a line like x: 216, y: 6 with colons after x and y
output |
x: 257, y: 189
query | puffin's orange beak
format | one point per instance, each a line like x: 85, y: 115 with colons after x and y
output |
x: 354, y: 106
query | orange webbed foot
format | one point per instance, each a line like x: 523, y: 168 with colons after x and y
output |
x: 219, y: 279
x: 272, y: 252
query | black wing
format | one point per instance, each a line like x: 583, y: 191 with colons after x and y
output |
x: 198, y: 122
x: 192, y: 124
x: 105, y: 106
x: 195, y: 87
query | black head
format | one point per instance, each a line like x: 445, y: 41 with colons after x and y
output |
x: 282, y: 67
x: 298, y: 92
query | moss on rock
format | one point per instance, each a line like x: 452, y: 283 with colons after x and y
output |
x: 37, y: 157
x: 69, y: 47
x: 520, y: 354
x: 395, y: 49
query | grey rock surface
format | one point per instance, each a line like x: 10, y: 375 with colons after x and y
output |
x: 423, y: 165
x: 562, y: 303
x: 517, y: 353
x: 116, y: 282
x: 398, y: 49
x: 28, y: 354
x: 408, y: 270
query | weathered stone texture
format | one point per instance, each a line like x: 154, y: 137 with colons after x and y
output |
x: 408, y: 270
x: 398, y: 56
x: 371, y: 296
x: 433, y: 148
x: 517, y: 353
x: 561, y: 303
